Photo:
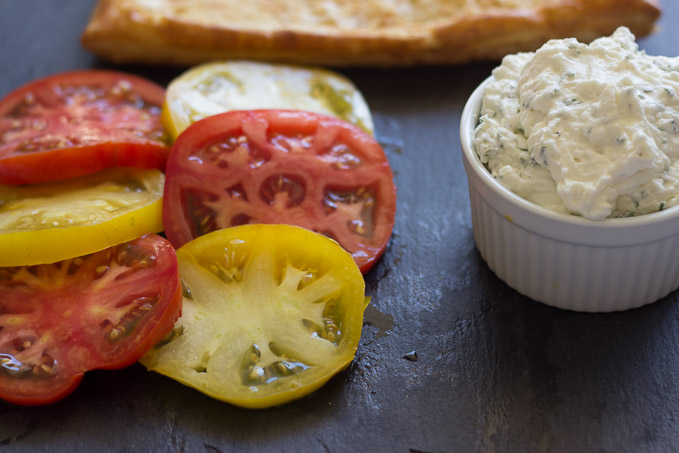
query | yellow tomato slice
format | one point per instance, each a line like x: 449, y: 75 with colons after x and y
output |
x: 271, y: 312
x: 45, y: 223
x: 214, y: 88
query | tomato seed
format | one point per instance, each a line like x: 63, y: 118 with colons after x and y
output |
x: 116, y: 332
x: 357, y: 226
x: 283, y: 191
x: 186, y: 291
x: 238, y: 274
x: 256, y: 373
x: 237, y: 192
x: 306, y: 280
x: 170, y: 337
x: 39, y: 125
x: 341, y: 157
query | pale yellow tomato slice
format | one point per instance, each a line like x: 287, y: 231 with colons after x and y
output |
x: 214, y: 88
x: 271, y: 312
x: 49, y: 222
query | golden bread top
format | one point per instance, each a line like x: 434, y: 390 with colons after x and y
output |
x: 367, y: 32
x: 322, y: 15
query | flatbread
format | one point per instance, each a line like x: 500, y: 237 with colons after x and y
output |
x: 349, y: 32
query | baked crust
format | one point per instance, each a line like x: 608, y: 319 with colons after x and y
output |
x: 343, y: 32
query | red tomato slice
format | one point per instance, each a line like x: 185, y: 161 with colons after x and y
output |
x: 103, y: 310
x: 76, y: 123
x: 281, y: 166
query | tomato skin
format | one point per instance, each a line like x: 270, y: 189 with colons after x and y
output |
x: 80, y: 131
x: 74, y: 162
x: 100, y: 311
x: 281, y: 166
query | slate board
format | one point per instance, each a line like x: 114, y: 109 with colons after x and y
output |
x: 495, y: 370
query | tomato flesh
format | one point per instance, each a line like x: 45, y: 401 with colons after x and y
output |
x: 76, y: 123
x: 271, y: 312
x: 49, y: 222
x: 213, y: 88
x: 103, y: 310
x: 280, y: 166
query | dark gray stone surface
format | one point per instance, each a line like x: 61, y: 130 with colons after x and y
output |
x: 494, y: 370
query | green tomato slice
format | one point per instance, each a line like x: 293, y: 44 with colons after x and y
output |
x: 271, y: 312
x: 214, y: 88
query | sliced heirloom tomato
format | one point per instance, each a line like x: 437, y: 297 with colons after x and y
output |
x: 80, y: 122
x: 45, y: 223
x: 281, y: 166
x: 271, y: 313
x: 103, y: 310
x: 214, y: 88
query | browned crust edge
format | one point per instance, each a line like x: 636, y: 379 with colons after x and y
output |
x: 121, y: 38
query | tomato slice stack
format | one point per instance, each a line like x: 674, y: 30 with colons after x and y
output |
x: 84, y: 283
x: 271, y: 311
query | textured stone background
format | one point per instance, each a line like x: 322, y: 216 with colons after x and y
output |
x: 495, y: 371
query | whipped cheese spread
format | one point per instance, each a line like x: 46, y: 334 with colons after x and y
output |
x: 590, y: 130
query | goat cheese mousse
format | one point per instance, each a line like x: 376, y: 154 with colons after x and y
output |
x: 585, y: 129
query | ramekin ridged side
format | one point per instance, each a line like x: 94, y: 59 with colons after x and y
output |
x: 567, y: 261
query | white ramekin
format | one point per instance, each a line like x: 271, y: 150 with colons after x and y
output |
x: 567, y: 261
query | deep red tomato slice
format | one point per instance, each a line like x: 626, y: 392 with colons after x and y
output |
x: 103, y: 310
x: 76, y: 123
x: 281, y: 166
